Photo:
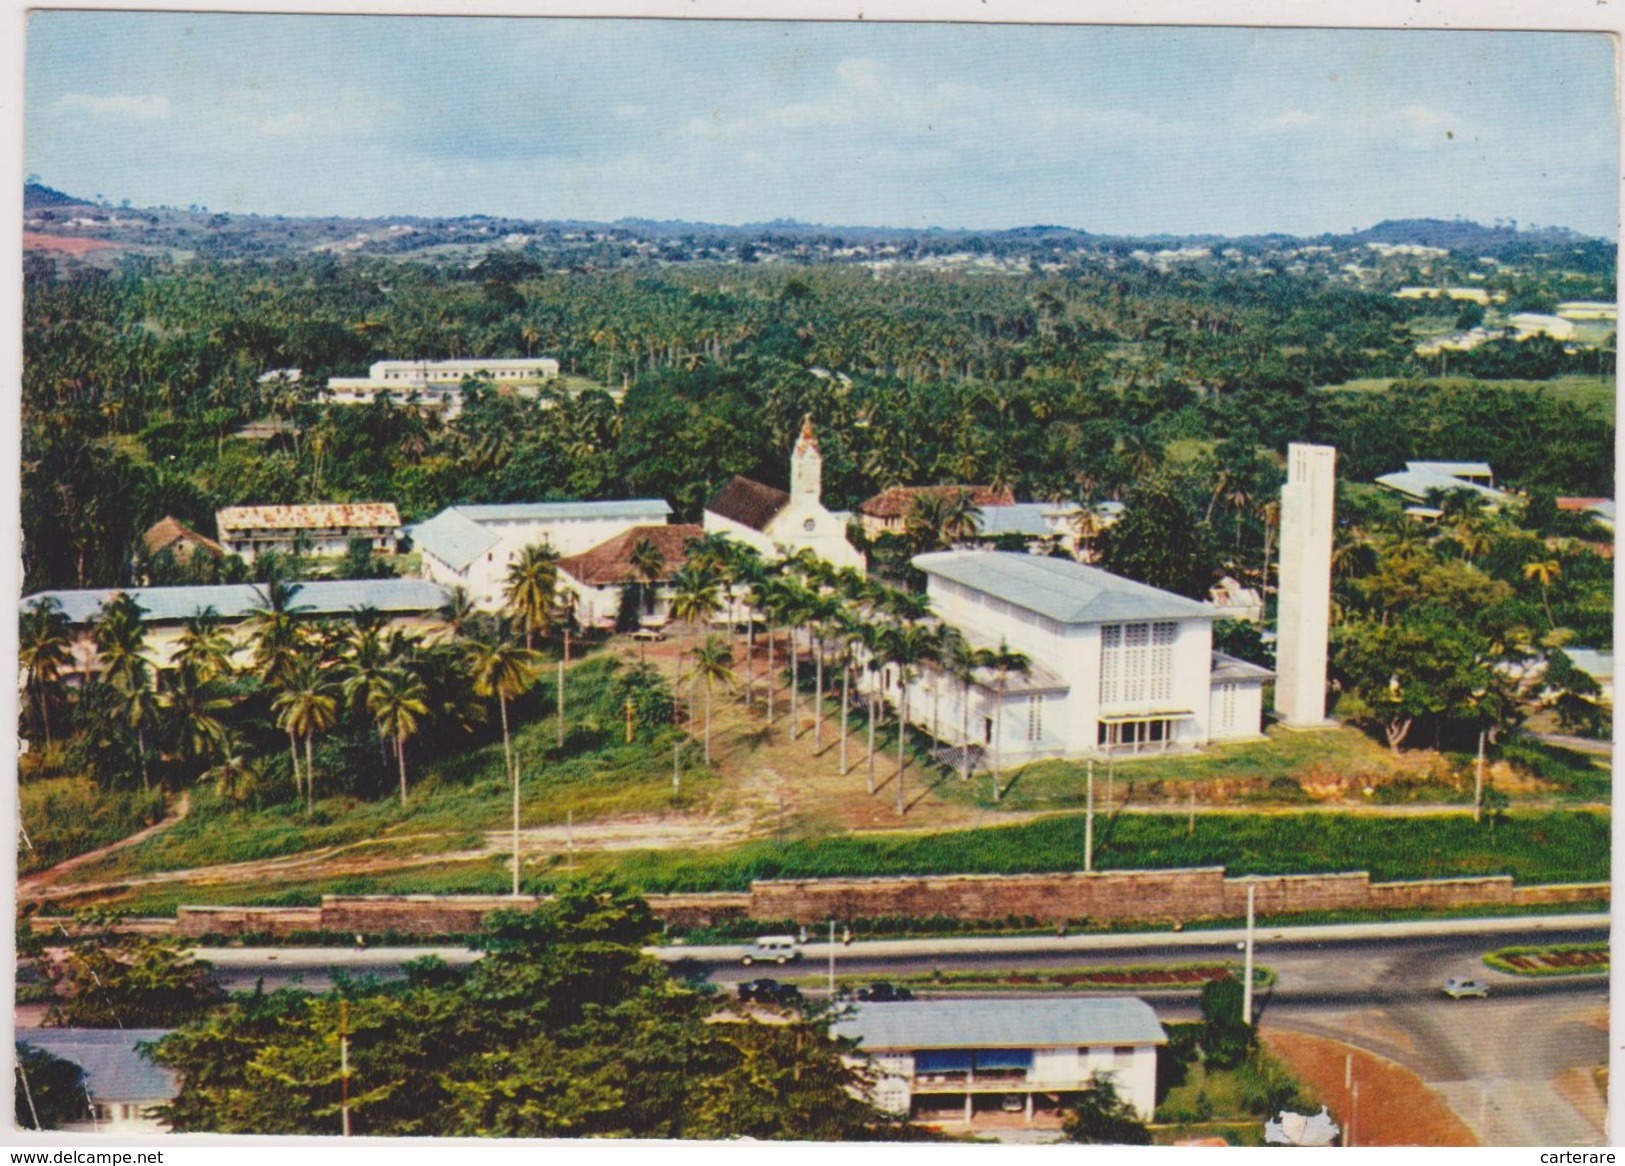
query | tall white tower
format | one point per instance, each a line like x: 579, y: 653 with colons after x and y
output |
x: 1304, y: 615
x: 806, y: 465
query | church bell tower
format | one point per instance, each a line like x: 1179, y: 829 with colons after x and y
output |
x: 806, y: 465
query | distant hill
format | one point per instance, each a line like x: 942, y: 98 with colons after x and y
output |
x: 1459, y: 235
x: 36, y: 196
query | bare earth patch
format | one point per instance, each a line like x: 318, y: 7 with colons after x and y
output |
x: 1395, y: 1108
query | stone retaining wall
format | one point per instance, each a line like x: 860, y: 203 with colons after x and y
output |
x: 1157, y: 896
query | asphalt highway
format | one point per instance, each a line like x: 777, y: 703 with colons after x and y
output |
x: 1507, y: 1065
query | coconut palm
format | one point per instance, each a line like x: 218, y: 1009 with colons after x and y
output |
x: 1544, y: 572
x: 649, y: 563
x: 275, y: 629
x: 907, y: 646
x: 305, y: 706
x: 960, y: 661
x: 455, y: 613
x: 44, y: 650
x: 204, y: 645
x: 528, y: 593
x: 191, y: 707
x: 713, y: 662
x: 506, y: 671
x: 1004, y: 664
x: 120, y: 636
x: 823, y: 611
x: 399, y: 704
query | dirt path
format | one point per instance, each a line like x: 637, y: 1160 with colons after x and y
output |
x: 1394, y: 1107
x: 29, y: 887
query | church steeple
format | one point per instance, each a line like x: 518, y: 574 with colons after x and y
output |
x: 806, y: 464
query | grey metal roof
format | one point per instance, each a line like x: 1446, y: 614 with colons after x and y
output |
x: 1229, y: 668
x: 651, y: 509
x: 1455, y: 469
x: 453, y: 538
x: 1060, y: 589
x: 114, y: 1070
x: 1417, y: 482
x: 1019, y: 518
x: 236, y: 600
x: 1003, y: 1024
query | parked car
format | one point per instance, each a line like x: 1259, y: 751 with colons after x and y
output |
x: 1458, y: 986
x: 650, y: 634
x: 772, y: 949
x: 767, y: 991
x: 884, y: 993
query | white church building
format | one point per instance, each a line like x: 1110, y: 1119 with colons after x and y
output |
x: 776, y: 523
x: 1116, y: 667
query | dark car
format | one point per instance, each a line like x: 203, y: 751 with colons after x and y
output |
x: 769, y: 992
x: 883, y: 993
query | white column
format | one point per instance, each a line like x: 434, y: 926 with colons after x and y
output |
x: 1304, y: 614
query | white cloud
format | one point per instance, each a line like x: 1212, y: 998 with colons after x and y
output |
x: 349, y: 114
x: 134, y: 107
x: 630, y: 111
x: 1291, y: 119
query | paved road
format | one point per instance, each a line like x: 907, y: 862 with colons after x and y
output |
x: 1501, y: 1064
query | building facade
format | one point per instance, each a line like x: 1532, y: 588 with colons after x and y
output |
x: 473, y: 546
x: 777, y: 523
x: 595, y: 582
x: 952, y: 1061
x: 438, y: 383
x: 122, y: 1089
x: 1303, y: 618
x: 1115, y: 667
x: 324, y: 528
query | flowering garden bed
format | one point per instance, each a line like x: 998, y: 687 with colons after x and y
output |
x: 1564, y: 959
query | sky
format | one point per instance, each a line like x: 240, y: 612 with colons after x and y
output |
x: 1113, y: 130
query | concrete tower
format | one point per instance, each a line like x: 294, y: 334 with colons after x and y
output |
x: 1304, y: 614
x: 806, y: 465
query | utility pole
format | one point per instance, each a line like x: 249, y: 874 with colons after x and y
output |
x: 676, y: 768
x: 1478, y: 779
x: 517, y: 769
x: 1089, y: 822
x: 832, y: 958
x: 631, y: 708
x: 1247, y: 964
x: 344, y: 1064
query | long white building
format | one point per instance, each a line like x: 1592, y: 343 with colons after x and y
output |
x: 472, y: 546
x: 438, y: 383
x: 1116, y: 667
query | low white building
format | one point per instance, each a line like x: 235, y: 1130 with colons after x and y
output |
x: 775, y: 523
x: 1115, y: 667
x: 122, y: 1088
x: 946, y: 1061
x: 472, y: 546
x: 321, y: 528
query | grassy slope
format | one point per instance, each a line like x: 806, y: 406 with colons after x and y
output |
x: 1593, y: 394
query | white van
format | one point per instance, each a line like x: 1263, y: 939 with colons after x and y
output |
x: 776, y: 949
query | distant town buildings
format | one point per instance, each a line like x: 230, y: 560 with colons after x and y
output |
x: 1423, y: 481
x: 951, y: 1062
x: 1588, y: 310
x: 472, y: 546
x: 438, y: 383
x: 169, y: 535
x: 1114, y: 666
x: 1303, y: 620
x: 323, y: 528
x: 776, y: 523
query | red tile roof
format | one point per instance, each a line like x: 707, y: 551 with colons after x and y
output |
x: 316, y: 516
x: 748, y: 503
x: 895, y: 502
x: 610, y: 563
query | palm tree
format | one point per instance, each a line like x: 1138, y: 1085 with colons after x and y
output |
x: 713, y: 664
x: 121, y: 642
x: 275, y: 629
x: 456, y: 612
x: 907, y: 646
x: 234, y: 772
x: 871, y: 639
x: 1004, y: 662
x: 399, y: 702
x: 822, y: 613
x: 1544, y: 571
x: 961, y: 661
x: 961, y: 518
x: 650, y: 564
x: 139, y: 710
x: 504, y: 670
x: 192, y: 705
x: 44, y: 649
x: 529, y: 590
x: 306, y: 706
x: 204, y: 645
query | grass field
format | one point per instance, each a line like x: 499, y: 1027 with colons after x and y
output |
x: 65, y: 816
x: 1593, y: 394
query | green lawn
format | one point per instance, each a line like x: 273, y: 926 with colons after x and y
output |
x: 1593, y: 394
x: 1274, y: 769
x: 65, y: 816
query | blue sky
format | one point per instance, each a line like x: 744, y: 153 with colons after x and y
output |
x: 1123, y: 130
